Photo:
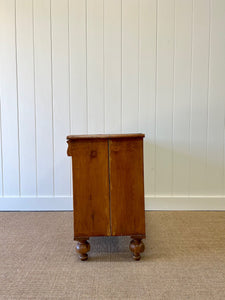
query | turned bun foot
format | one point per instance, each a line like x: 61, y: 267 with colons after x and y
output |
x: 137, y: 247
x: 82, y: 248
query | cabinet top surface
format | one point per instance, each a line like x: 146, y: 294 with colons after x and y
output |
x: 105, y: 136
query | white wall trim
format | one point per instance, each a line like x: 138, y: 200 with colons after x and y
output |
x: 40, y: 203
x: 48, y: 203
x: 185, y: 202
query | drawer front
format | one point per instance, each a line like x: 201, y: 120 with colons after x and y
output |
x: 91, y: 188
x: 127, y: 187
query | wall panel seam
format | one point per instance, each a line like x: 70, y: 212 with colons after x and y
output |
x: 69, y: 77
x: 35, y: 102
x: 156, y: 95
x: 139, y: 45
x: 53, y: 151
x: 173, y: 95
x: 86, y: 57
x: 208, y: 92
x: 191, y: 99
x: 17, y: 101
x: 103, y: 64
x: 121, y: 108
x: 69, y: 65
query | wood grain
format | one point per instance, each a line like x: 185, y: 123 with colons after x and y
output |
x: 126, y: 187
x: 90, y: 188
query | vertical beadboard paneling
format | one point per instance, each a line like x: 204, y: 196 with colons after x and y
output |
x: 130, y: 65
x: 26, y: 104
x: 78, y: 65
x: 165, y: 94
x: 147, y: 92
x: 216, y: 105
x: 182, y: 96
x: 61, y: 108
x: 199, y: 97
x: 112, y: 65
x: 8, y: 90
x: 94, y: 66
x: 43, y: 96
x: 95, y: 69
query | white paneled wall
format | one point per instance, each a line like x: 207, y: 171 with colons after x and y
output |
x: 113, y: 66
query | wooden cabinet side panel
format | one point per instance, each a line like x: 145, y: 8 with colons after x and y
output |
x: 90, y: 188
x: 127, y: 187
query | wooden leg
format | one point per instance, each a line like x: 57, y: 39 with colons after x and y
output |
x: 82, y: 248
x: 137, y: 247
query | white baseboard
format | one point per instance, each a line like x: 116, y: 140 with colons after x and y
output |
x: 40, y: 203
x: 184, y: 202
x: 57, y: 203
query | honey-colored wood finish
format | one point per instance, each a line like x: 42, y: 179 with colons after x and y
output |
x: 108, y: 189
x: 105, y: 136
x: 126, y: 186
x: 91, y: 188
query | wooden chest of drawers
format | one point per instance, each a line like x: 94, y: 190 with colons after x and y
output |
x: 108, y: 189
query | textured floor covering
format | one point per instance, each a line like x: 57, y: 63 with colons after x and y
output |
x: 184, y: 259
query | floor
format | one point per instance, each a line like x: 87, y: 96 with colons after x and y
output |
x: 184, y: 259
